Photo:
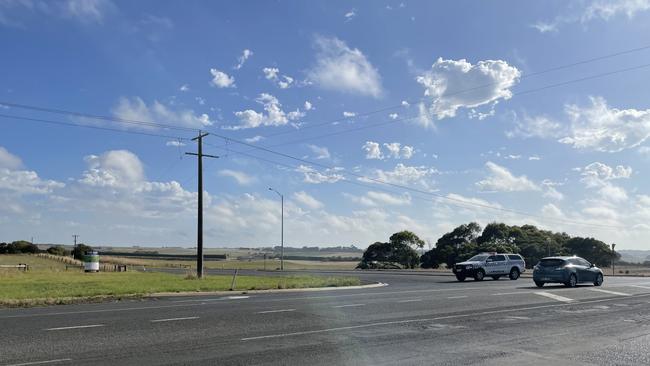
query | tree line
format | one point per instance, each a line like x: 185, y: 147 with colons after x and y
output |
x: 467, y: 240
x: 25, y: 247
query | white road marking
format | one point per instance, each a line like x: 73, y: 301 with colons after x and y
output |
x: 41, y: 362
x: 348, y: 305
x: 174, y: 319
x: 275, y: 311
x: 645, y: 287
x: 409, y: 300
x: 237, y: 297
x: 456, y: 297
x: 610, y: 292
x: 512, y: 293
x: 215, y: 299
x: 420, y: 320
x: 553, y: 296
x: 77, y: 327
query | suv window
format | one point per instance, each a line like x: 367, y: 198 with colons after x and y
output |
x: 498, y: 258
x: 514, y: 257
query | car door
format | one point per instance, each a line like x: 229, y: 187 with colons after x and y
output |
x: 501, y: 264
x: 581, y: 270
x: 589, y: 273
x: 490, y: 265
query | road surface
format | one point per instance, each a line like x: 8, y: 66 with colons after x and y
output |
x: 417, y: 319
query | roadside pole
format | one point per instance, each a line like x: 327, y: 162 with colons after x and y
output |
x: 199, y: 227
x: 613, y: 259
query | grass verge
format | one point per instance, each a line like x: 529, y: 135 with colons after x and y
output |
x: 45, y: 287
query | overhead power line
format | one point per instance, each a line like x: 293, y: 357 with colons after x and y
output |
x: 69, y: 124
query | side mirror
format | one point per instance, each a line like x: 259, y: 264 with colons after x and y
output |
x: 591, y: 265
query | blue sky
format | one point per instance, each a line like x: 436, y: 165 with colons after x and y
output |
x: 442, y: 100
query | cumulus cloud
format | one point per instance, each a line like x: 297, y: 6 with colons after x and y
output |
x: 308, y: 106
x: 535, y: 126
x: 241, y: 177
x: 24, y: 182
x: 307, y: 200
x: 273, y: 74
x: 373, y: 150
x: 246, y: 53
x: 314, y: 176
x: 174, y: 143
x: 350, y: 15
x: 254, y: 139
x: 454, y: 84
x: 222, y: 80
x: 341, y: 68
x: 602, y: 128
x: 500, y: 179
x: 8, y: 160
x: 274, y: 115
x: 136, y: 109
x: 599, y: 176
x: 116, y: 168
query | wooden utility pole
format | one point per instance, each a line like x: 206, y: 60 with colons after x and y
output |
x: 199, y: 227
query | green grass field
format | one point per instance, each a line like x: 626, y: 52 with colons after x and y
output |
x: 52, y: 284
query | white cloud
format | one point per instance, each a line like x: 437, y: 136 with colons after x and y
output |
x: 373, y: 150
x: 537, y: 126
x: 25, y: 182
x: 88, y: 11
x: 274, y: 116
x: 534, y: 158
x: 397, y: 151
x: 241, y: 177
x: 405, y: 103
x: 603, y: 10
x: 551, y: 210
x: 8, y: 160
x: 254, y: 139
x: 341, y: 68
x: 320, y: 152
x: 174, y: 143
x: 307, y: 200
x: 136, y: 109
x: 282, y: 81
x: 115, y: 168
x: 246, y: 53
x: 458, y: 84
x: 644, y: 150
x: 553, y: 193
x: 184, y: 88
x: 308, y: 106
x: 595, y: 173
x: 349, y: 114
x: 407, y: 152
x: 222, y: 80
x: 404, y: 175
x: 382, y: 198
x: 393, y: 116
x: 601, y: 128
x: 512, y: 157
x: 83, y: 11
x: 350, y: 15
x: 500, y: 179
x: 314, y: 176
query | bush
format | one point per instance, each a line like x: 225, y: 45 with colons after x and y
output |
x: 18, y: 247
x: 78, y: 252
x: 57, y: 250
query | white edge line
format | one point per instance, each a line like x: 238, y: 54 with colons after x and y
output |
x: 409, y: 300
x: 41, y: 362
x: 174, y: 319
x: 456, y: 297
x: 554, y: 296
x: 348, y: 305
x: 77, y: 327
x: 275, y: 311
x: 610, y: 292
x: 500, y: 311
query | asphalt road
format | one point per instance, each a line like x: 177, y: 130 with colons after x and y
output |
x: 416, y: 319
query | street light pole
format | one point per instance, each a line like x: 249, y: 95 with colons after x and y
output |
x: 281, y: 228
x: 613, y: 258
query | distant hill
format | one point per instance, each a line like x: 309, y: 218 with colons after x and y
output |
x: 635, y: 256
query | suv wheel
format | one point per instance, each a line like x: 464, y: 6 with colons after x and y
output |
x: 479, y: 275
x: 573, y: 281
x: 599, y: 280
x: 514, y: 274
x: 539, y: 284
x: 460, y: 278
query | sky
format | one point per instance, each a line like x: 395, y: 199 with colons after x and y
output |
x: 370, y: 117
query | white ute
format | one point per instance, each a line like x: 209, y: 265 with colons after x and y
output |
x: 494, y: 265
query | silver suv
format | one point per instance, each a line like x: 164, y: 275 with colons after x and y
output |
x: 494, y: 265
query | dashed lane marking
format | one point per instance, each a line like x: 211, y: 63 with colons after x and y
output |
x: 610, y: 292
x: 174, y: 319
x: 553, y: 296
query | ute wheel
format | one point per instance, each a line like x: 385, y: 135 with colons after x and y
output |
x: 479, y: 275
x: 460, y: 278
x: 539, y: 284
x: 514, y: 274
x: 496, y: 278
x: 573, y: 281
x: 599, y: 280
